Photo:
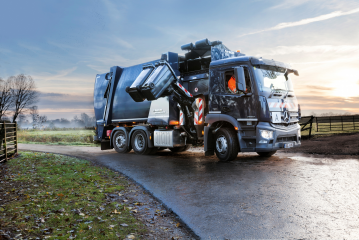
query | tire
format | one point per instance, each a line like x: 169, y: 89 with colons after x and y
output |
x: 180, y: 149
x: 139, y: 143
x: 266, y: 154
x: 226, y: 144
x: 119, y: 142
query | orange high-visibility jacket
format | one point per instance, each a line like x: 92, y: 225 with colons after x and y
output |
x: 232, y: 84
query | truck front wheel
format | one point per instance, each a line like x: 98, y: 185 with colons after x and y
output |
x: 119, y: 142
x: 227, y: 146
x: 139, y: 143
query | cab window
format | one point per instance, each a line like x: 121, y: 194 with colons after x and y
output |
x: 230, y: 82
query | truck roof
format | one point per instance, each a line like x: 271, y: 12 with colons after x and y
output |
x: 230, y: 60
x: 253, y: 60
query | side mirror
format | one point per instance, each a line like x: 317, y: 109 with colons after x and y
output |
x: 240, y: 79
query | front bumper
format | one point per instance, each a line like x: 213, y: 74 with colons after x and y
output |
x: 281, y: 136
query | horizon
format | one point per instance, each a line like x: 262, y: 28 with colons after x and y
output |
x: 63, y: 46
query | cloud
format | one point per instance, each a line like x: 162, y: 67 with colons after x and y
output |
x: 283, y: 50
x: 305, y: 21
x: 316, y: 4
x: 331, y: 103
x: 319, y: 87
x: 64, y: 102
x: 290, y: 4
x: 58, y: 76
x: 123, y: 43
x: 30, y: 47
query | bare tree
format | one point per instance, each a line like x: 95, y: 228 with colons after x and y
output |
x: 24, y: 93
x: 41, y: 120
x: 85, y: 118
x: 6, y: 99
x: 34, y: 115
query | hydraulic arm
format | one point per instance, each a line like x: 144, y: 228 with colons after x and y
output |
x: 159, y: 80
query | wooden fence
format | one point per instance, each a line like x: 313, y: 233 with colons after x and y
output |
x: 8, y: 140
x: 337, y: 123
x: 334, y: 124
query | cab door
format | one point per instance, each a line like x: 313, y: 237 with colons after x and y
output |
x: 240, y: 105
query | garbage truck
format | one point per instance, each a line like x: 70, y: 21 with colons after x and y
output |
x: 209, y: 96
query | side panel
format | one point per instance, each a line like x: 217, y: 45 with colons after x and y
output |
x: 124, y: 107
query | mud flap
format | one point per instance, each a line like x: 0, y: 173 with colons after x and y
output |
x: 208, y: 142
x: 105, y: 145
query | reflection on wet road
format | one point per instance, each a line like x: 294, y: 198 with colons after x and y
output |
x: 284, y: 196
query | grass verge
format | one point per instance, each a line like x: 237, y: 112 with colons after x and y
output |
x: 58, y: 137
x: 58, y: 197
x: 80, y: 144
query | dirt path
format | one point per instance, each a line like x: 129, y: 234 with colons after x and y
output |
x: 347, y: 144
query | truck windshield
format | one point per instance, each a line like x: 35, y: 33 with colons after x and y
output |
x: 270, y: 80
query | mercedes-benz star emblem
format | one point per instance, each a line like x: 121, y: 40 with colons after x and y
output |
x: 286, y: 117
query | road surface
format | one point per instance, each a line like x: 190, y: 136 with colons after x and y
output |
x: 284, y: 196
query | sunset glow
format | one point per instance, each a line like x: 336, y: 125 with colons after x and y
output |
x: 347, y: 83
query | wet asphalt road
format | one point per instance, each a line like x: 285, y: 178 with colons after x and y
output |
x: 284, y: 196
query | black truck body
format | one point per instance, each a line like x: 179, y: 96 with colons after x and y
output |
x: 178, y: 101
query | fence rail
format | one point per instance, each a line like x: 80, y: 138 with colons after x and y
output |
x: 329, y: 124
x: 8, y: 140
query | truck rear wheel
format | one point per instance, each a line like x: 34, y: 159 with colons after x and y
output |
x: 139, y: 143
x: 266, y: 154
x: 119, y: 142
x: 227, y: 146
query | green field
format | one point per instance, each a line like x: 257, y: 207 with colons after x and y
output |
x: 334, y: 128
x: 61, y: 137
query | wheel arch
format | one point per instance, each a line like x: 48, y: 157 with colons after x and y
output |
x: 125, y: 129
x: 217, y: 121
x: 148, y: 132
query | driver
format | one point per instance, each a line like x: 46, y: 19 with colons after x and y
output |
x: 232, y: 85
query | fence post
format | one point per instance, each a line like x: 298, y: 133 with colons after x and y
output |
x: 330, y: 124
x: 316, y: 122
x: 310, y: 129
x: 16, y: 137
x: 5, y: 145
x: 353, y: 123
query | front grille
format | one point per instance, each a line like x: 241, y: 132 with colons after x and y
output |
x: 284, y: 124
x: 287, y: 139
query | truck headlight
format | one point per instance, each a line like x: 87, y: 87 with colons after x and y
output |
x: 266, y: 134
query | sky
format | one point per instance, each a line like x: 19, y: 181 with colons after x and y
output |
x: 64, y: 44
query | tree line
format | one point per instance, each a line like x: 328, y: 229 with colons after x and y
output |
x: 18, y: 96
x: 41, y: 122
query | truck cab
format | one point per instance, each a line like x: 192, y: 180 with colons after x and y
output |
x: 262, y: 109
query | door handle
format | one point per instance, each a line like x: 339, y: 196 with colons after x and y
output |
x: 225, y: 109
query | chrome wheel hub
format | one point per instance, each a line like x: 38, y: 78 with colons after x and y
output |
x: 221, y: 144
x: 139, y: 142
x: 120, y: 141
